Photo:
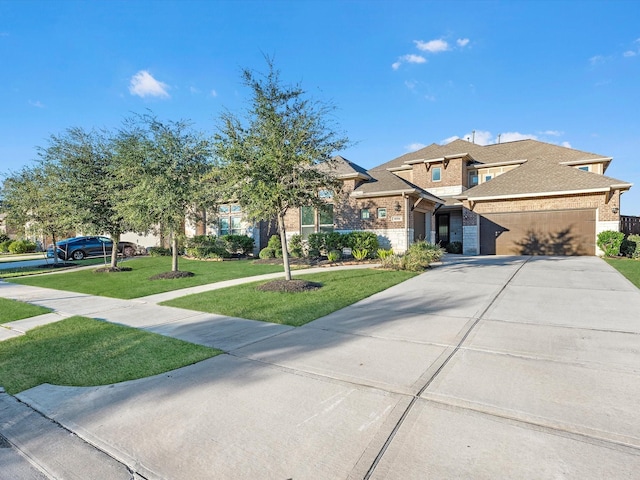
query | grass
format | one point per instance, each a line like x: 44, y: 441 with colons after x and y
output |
x: 136, y: 283
x: 81, y: 351
x: 628, y: 267
x: 11, y: 310
x: 340, y: 289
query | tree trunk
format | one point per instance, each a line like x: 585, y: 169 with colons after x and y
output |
x: 174, y: 252
x: 55, y: 249
x: 283, y: 243
x: 114, y: 250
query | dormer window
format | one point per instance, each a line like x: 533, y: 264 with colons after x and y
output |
x: 473, y: 179
x: 436, y: 174
x: 584, y: 169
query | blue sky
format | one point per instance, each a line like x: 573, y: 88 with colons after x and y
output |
x: 401, y: 74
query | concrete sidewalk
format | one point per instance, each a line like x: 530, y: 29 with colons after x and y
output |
x: 486, y: 367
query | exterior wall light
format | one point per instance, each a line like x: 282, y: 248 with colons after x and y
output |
x: 614, y: 210
x: 397, y: 207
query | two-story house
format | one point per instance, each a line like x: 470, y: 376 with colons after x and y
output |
x: 523, y: 197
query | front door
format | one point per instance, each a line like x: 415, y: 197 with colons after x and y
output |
x: 442, y: 229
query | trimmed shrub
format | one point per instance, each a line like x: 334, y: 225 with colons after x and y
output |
x: 4, y: 246
x: 392, y: 262
x: 454, y: 247
x: 159, y: 252
x: 420, y: 255
x: 242, y: 244
x: 610, y: 242
x: 295, y: 246
x: 362, y: 241
x: 275, y: 245
x: 334, y: 255
x: 267, y: 252
x: 630, y: 245
x: 22, y: 246
x: 333, y: 241
x: 316, y: 243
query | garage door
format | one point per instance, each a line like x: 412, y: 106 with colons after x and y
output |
x: 559, y: 232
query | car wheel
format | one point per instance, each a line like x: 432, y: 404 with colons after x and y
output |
x: 128, y: 251
x: 77, y: 255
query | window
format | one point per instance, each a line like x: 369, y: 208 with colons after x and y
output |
x: 229, y: 219
x: 473, y: 179
x: 436, y: 174
x: 382, y: 213
x: 487, y: 178
x: 325, y: 194
x: 308, y: 217
x: 364, y: 214
x: 307, y: 221
x: 325, y: 218
x: 585, y: 168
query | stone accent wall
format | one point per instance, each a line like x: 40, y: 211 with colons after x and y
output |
x: 470, y: 232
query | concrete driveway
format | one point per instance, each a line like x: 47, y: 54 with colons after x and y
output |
x: 484, y: 368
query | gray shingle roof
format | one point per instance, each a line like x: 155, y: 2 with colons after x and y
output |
x: 541, y: 177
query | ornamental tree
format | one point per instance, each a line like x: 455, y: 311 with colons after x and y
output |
x: 279, y: 154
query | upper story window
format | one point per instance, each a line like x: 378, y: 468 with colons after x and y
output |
x: 436, y: 174
x: 487, y: 177
x: 473, y: 179
x: 585, y: 168
x: 382, y: 213
x: 325, y: 194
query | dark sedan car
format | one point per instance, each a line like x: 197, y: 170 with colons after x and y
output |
x: 77, y: 248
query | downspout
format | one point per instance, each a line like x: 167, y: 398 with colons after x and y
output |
x: 406, y: 219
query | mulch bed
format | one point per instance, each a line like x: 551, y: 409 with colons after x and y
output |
x: 171, y: 275
x: 289, y: 286
x: 112, y: 269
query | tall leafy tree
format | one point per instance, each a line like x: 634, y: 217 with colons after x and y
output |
x: 279, y: 155
x: 35, y: 199
x: 168, y: 162
x: 86, y: 162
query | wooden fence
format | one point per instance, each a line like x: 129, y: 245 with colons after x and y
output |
x: 630, y: 225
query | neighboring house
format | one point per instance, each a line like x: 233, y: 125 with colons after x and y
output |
x: 516, y: 198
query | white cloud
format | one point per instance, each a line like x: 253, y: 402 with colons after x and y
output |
x: 410, y: 84
x: 462, y: 42
x: 409, y: 58
x: 596, y: 60
x: 514, y: 136
x: 194, y: 90
x: 213, y: 93
x: 414, y: 146
x: 629, y: 53
x: 449, y: 140
x: 432, y: 46
x: 412, y: 58
x: 144, y: 85
x: 431, y: 98
x: 553, y: 133
x: 37, y: 104
x: 566, y: 144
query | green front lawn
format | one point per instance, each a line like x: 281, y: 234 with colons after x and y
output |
x: 340, y: 289
x: 136, y: 283
x: 628, y: 267
x: 11, y: 310
x: 81, y: 351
